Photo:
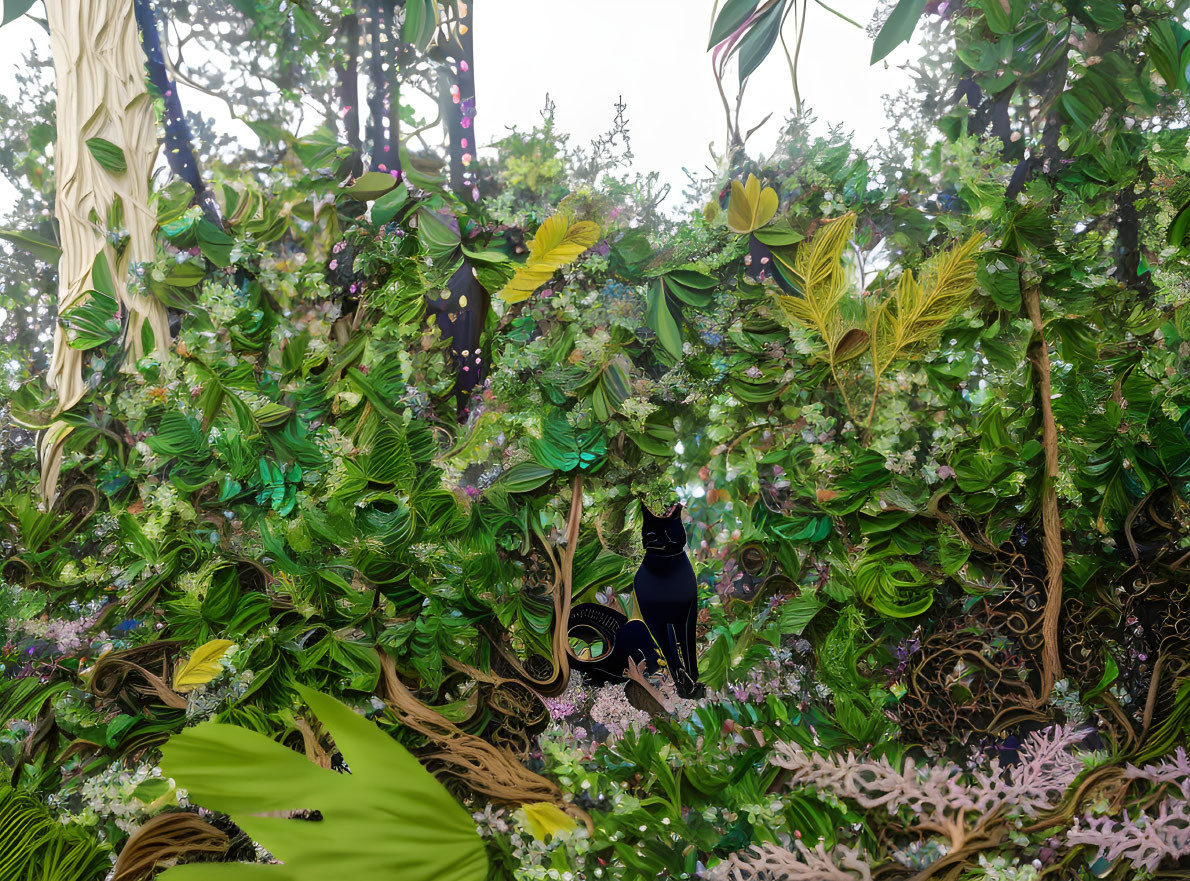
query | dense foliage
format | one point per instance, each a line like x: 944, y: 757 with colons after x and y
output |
x: 927, y: 409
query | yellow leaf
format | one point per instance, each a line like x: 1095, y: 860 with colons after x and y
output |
x: 546, y: 819
x: 766, y: 207
x: 739, y: 212
x: 558, y: 242
x: 202, y: 666
x: 750, y: 207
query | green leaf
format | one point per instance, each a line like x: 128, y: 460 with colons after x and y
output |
x: 733, y: 14
x: 566, y: 447
x: 1002, y: 283
x: 421, y: 21
x: 1002, y: 21
x: 1180, y: 226
x: 41, y: 248
x: 1111, y: 672
x: 109, y: 156
x: 435, y: 234
x: 898, y: 28
x: 214, y: 243
x: 101, y: 275
x: 389, y: 811
x: 14, y: 9
x: 525, y: 477
x: 760, y: 39
x: 692, y: 288
x: 371, y: 185
x: 661, y: 320
x: 893, y: 586
x: 1168, y: 48
x: 1103, y: 15
x: 92, y: 323
x: 385, y: 208
x: 795, y: 614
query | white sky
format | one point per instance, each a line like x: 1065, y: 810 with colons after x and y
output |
x: 650, y: 52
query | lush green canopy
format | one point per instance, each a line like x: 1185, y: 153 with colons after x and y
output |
x: 926, y: 407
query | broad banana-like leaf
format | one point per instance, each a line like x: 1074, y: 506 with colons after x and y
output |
x: 558, y: 242
x: 388, y: 818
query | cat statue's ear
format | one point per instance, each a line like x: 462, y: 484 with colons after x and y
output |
x: 671, y: 512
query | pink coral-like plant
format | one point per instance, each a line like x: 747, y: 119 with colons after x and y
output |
x: 770, y: 862
x: 1144, y: 841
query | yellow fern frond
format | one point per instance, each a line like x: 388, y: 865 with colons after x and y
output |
x: 818, y: 269
x: 557, y: 243
x: 918, y: 311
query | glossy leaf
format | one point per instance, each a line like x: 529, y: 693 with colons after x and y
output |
x: 661, y: 320
x: 388, y: 811
x: 758, y: 42
x: 566, y: 447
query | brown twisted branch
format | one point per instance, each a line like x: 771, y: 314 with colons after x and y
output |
x: 1051, y: 522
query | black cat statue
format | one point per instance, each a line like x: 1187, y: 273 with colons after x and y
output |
x: 603, y: 640
x: 667, y: 596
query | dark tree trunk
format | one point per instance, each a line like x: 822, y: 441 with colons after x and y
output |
x: 393, y: 55
x: 179, y: 151
x: 376, y: 114
x: 460, y: 121
x: 348, y: 75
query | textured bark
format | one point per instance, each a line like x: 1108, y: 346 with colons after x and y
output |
x: 101, y: 93
x: 348, y: 75
x: 461, y: 118
x: 392, y: 54
x: 179, y: 146
x: 379, y: 83
x: 1051, y: 522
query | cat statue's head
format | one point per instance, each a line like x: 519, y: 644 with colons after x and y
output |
x: 664, y: 534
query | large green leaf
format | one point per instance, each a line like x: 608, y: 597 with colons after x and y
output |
x: 760, y: 39
x: 421, y: 20
x: 14, y: 9
x: 215, y: 243
x: 388, y: 818
x: 565, y: 447
x: 525, y: 477
x: 659, y: 317
x: 733, y: 14
x: 92, y: 323
x: 41, y: 248
x: 1180, y: 226
x: 371, y: 185
x: 898, y: 28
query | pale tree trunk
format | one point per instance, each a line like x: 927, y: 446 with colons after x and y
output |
x: 101, y: 94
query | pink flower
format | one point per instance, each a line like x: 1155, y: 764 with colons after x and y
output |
x: 945, y: 472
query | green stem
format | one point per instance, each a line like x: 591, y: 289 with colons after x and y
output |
x: 843, y: 392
